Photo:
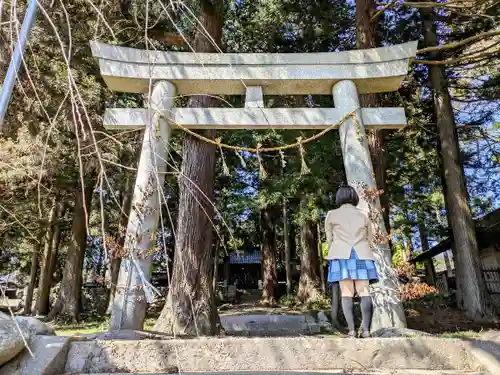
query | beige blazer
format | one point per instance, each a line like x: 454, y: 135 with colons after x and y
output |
x: 348, y: 227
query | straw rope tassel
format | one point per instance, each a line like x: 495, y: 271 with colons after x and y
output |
x: 283, y: 161
x: 304, y: 169
x: 225, y: 168
x: 242, y: 160
x: 262, y: 171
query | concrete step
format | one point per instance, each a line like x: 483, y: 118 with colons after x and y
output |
x: 274, y: 356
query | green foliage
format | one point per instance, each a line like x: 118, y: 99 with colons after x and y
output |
x: 324, y: 249
x: 321, y: 303
x: 287, y: 301
x: 397, y: 254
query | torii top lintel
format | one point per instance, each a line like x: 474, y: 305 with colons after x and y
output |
x: 373, y: 70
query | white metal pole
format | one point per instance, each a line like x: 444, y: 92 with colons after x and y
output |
x: 15, y: 62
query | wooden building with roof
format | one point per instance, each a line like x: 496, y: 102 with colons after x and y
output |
x: 488, y: 238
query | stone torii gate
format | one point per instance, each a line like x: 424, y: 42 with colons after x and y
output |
x: 164, y: 75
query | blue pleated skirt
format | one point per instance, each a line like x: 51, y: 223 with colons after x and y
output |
x: 352, y: 268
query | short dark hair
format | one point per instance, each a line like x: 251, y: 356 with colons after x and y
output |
x: 346, y: 195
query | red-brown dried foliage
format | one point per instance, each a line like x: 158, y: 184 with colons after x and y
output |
x: 416, y: 290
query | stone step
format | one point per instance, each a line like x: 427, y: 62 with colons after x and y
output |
x: 272, y: 355
x: 269, y: 325
x: 333, y: 372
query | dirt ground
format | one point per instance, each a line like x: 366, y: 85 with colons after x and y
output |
x: 444, y: 320
x: 437, y: 315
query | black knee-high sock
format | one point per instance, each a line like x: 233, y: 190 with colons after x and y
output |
x: 366, y: 312
x: 348, y: 310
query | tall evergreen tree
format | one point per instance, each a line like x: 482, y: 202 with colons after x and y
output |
x: 474, y: 299
x: 190, y: 306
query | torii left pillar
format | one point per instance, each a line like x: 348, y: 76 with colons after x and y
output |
x: 129, y: 305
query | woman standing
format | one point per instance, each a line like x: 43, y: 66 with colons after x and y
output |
x: 350, y: 257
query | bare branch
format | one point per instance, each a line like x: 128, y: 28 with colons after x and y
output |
x: 448, y: 6
x: 461, y: 43
x: 381, y: 11
x: 465, y: 60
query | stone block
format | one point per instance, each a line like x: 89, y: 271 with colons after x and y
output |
x: 49, y: 357
x: 265, y: 325
x: 39, y: 327
x: 487, y: 352
x: 11, y: 339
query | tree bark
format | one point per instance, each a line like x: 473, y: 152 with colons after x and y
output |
x: 458, y: 294
x: 52, y: 237
x: 447, y: 263
x: 288, y: 258
x: 115, y: 259
x: 321, y: 260
x: 404, y: 251
x: 376, y: 145
x: 430, y: 271
x: 408, y: 252
x: 28, y: 303
x: 293, y: 242
x: 98, y: 270
x: 216, y: 265
x: 474, y: 298
x: 56, y: 242
x: 68, y: 301
x: 227, y: 270
x: 268, y: 255
x: 336, y: 306
x: 309, y: 281
x: 366, y: 37
x: 190, y: 307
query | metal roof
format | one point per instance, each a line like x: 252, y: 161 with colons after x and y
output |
x: 249, y: 258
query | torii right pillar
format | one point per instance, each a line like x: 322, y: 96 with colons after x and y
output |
x: 388, y: 308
